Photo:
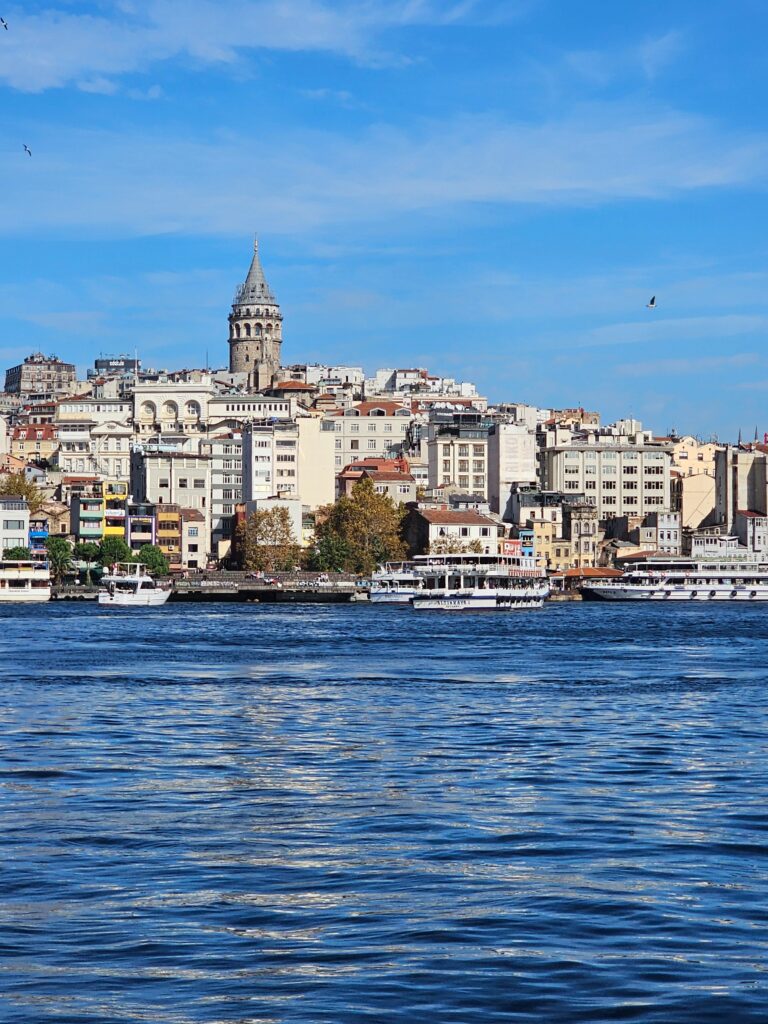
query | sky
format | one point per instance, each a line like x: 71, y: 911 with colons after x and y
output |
x: 489, y: 188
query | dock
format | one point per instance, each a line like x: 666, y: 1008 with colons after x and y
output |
x: 267, y: 588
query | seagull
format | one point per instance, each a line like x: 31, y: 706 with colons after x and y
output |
x: 652, y: 303
x: 4, y: 23
x: 27, y: 150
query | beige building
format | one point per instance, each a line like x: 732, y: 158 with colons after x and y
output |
x: 741, y: 483
x: 459, y: 458
x: 40, y: 377
x: 621, y: 479
x: 294, y: 460
x: 375, y: 429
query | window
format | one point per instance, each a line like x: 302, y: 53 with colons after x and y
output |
x: 371, y: 426
x: 354, y: 428
x: 464, y: 482
x: 478, y: 481
x: 463, y: 465
x: 478, y: 466
x: 372, y: 442
x: 464, y: 531
x: 463, y: 451
x: 387, y: 428
x: 183, y: 482
x: 13, y: 524
x: 163, y: 482
x: 338, y: 442
x: 193, y: 531
x: 200, y: 484
x: 609, y: 485
x: 354, y: 445
x: 446, y: 465
x: 193, y: 547
x: 630, y: 469
x: 485, y: 531
x: 631, y: 499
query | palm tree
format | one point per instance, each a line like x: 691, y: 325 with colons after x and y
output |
x: 88, y: 552
x: 59, y: 556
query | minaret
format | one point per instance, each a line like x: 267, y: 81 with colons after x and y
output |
x: 255, y: 328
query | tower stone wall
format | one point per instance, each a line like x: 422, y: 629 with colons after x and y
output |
x: 255, y: 328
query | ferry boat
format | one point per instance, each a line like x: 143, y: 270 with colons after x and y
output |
x: 395, y: 583
x: 685, y: 580
x: 473, y: 582
x: 26, y: 581
x: 128, y: 584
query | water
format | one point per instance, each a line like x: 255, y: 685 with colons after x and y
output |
x: 356, y: 814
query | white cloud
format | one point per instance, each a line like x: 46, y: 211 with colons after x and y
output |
x: 694, y: 365
x: 149, y: 184
x: 57, y: 47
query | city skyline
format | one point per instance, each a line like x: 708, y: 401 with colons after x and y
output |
x: 490, y: 190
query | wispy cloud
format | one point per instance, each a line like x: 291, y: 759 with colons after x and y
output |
x: 153, y: 183
x: 55, y: 46
x: 692, y: 366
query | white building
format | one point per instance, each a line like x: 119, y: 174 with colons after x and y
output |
x: 459, y: 458
x: 14, y: 524
x: 94, y: 436
x: 165, y: 407
x: 511, y: 461
x: 226, y: 462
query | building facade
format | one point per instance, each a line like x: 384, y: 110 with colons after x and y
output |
x: 40, y: 377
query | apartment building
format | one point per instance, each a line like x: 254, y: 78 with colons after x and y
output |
x: 293, y: 460
x: 376, y: 429
x: 14, y: 523
x: 512, y: 461
x: 621, y: 479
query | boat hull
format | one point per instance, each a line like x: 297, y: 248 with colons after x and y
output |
x: 34, y: 595
x: 143, y: 599
x: 391, y: 596
x: 637, y: 593
x: 499, y: 601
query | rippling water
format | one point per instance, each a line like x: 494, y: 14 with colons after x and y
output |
x: 356, y: 814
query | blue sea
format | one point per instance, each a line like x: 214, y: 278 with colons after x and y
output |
x: 333, y: 815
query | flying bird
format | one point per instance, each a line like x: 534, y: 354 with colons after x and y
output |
x: 27, y: 150
x: 4, y: 23
x: 652, y: 303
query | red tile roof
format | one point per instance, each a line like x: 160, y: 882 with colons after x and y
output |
x: 390, y: 408
x: 436, y: 517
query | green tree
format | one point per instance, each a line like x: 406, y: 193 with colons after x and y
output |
x: 114, y: 549
x: 450, y: 545
x: 59, y: 556
x: 88, y: 552
x: 16, y: 485
x: 17, y: 554
x: 154, y: 559
x: 359, y: 531
x: 267, y: 541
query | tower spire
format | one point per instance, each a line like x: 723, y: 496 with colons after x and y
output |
x: 255, y: 326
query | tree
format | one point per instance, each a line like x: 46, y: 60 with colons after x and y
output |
x: 359, y: 531
x: 17, y: 554
x: 114, y: 549
x: 59, y: 556
x: 16, y: 485
x: 154, y: 559
x: 267, y: 541
x: 88, y: 552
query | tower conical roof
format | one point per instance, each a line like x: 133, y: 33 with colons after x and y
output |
x: 255, y: 288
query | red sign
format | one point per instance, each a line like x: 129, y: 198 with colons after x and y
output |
x: 512, y: 547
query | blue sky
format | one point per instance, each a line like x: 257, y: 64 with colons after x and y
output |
x: 493, y: 189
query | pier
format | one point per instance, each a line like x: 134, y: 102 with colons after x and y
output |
x: 267, y: 588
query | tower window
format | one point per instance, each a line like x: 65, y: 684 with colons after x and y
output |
x: 247, y: 357
x: 247, y: 330
x: 237, y: 330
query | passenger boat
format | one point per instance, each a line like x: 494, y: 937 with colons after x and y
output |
x: 685, y: 580
x: 25, y: 581
x: 474, y: 582
x: 395, y: 583
x: 128, y: 584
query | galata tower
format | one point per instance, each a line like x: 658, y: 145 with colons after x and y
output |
x: 255, y: 328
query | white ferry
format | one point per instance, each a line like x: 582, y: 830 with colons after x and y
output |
x: 471, y: 582
x: 685, y: 580
x: 128, y: 584
x: 395, y: 583
x: 26, y: 581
